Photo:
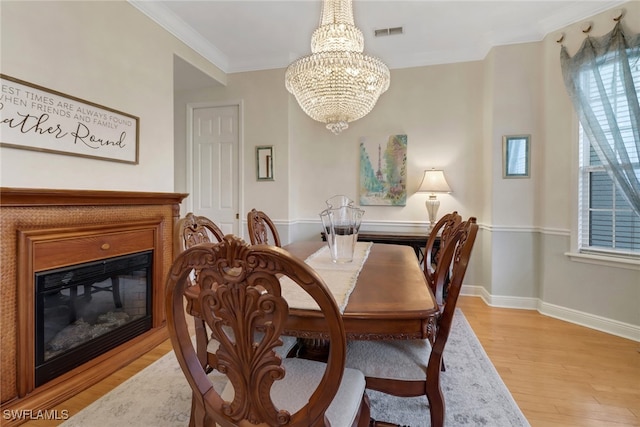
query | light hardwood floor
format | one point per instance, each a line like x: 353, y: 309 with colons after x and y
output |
x: 560, y: 374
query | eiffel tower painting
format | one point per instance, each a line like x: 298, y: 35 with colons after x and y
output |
x: 383, y: 171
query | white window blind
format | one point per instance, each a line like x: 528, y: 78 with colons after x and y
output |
x: 608, y: 225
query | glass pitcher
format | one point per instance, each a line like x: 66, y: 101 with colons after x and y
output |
x: 341, y: 222
x: 339, y: 201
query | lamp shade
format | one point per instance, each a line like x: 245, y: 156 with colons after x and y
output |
x: 433, y: 181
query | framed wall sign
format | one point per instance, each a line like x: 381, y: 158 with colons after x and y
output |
x: 516, y: 156
x: 36, y: 118
x: 264, y: 163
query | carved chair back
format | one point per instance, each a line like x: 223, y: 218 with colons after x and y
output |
x: 260, y: 227
x: 241, y: 302
x: 190, y: 231
x: 443, y: 230
x: 193, y: 230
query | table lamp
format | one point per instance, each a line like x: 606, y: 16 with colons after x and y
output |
x: 433, y: 182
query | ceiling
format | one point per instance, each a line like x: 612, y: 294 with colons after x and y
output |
x: 247, y: 35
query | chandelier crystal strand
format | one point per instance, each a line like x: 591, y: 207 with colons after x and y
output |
x: 337, y: 83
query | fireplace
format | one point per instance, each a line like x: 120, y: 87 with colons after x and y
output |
x: 45, y: 232
x: 83, y: 311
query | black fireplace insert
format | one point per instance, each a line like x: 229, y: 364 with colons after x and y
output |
x: 85, y: 310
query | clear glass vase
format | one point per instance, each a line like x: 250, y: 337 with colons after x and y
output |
x: 341, y: 222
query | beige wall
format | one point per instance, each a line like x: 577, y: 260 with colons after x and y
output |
x: 454, y: 116
x: 603, y: 290
x: 264, y: 106
x: 107, y: 53
x: 440, y: 115
x: 436, y: 107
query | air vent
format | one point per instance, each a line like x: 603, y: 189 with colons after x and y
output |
x: 395, y: 31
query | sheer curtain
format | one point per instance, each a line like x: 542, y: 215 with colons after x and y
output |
x: 601, y: 83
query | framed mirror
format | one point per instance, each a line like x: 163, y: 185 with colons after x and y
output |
x: 516, y: 156
x: 264, y: 163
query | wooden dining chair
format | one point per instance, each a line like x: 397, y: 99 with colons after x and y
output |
x: 413, y: 367
x: 260, y: 227
x: 240, y: 299
x: 440, y: 234
x: 194, y: 230
x: 190, y: 231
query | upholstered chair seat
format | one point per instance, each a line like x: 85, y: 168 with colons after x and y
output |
x: 403, y: 360
x: 303, y: 377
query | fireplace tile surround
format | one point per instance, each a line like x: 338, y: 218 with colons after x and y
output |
x: 46, y: 228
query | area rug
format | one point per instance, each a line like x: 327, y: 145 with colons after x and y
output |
x: 474, y: 393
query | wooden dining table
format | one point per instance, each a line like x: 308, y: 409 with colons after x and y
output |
x: 391, y: 298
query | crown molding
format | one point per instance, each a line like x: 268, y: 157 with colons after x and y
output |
x: 161, y: 15
x: 566, y: 16
x: 476, y: 52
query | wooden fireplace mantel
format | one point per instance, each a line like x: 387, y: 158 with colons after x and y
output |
x: 17, y: 197
x: 77, y: 212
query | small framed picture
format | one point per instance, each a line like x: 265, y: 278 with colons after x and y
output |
x: 264, y: 163
x: 516, y: 157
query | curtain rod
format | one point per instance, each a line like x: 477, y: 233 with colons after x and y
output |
x: 588, y: 26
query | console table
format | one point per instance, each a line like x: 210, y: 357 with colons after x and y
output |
x: 417, y: 241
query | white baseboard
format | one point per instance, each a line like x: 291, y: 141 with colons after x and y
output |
x: 613, y: 327
x: 498, y: 300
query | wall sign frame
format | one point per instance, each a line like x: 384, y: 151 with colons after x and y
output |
x: 516, y: 156
x: 35, y: 118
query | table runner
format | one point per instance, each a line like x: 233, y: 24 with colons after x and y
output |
x: 339, y: 278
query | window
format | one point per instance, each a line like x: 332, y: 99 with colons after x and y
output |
x: 607, y: 222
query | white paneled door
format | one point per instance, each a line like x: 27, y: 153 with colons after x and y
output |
x: 215, y: 176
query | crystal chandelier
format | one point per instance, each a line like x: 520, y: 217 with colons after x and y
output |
x: 337, y: 83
